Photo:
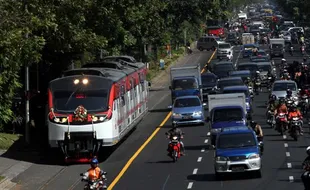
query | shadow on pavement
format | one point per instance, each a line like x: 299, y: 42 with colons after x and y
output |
x: 160, y: 110
x: 202, y: 177
x: 161, y: 162
x: 198, y: 147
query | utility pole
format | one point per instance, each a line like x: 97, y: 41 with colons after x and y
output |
x: 27, y: 106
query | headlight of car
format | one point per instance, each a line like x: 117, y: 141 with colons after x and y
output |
x: 197, y: 113
x: 221, y: 158
x: 253, y: 156
x: 176, y: 115
x: 216, y: 130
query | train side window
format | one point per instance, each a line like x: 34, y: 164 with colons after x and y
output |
x: 123, y: 103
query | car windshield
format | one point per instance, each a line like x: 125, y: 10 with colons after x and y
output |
x: 208, y: 79
x: 227, y: 114
x: 92, y: 100
x: 226, y: 67
x: 264, y: 67
x: 249, y: 47
x: 226, y: 141
x: 284, y: 86
x: 187, y: 102
x: 184, y: 84
x: 261, y: 53
x: 277, y: 46
x: 224, y: 46
x: 233, y: 82
x: 244, y: 76
x: 246, y: 92
x: 252, y: 68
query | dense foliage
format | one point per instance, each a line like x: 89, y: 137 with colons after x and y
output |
x: 55, y: 33
x: 298, y: 10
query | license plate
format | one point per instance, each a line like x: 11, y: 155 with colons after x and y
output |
x: 237, y: 169
x: 186, y: 117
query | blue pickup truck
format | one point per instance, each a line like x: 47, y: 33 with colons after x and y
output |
x: 185, y: 81
x: 237, y: 150
x: 226, y: 110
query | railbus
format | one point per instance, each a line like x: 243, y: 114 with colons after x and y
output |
x: 95, y: 106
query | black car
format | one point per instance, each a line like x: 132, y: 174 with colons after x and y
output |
x: 209, y: 83
x: 222, y: 69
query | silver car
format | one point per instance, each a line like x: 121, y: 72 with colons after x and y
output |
x: 280, y: 87
x: 224, y: 49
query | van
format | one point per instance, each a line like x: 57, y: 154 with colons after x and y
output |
x: 208, y: 43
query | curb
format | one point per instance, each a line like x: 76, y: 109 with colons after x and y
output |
x: 7, y: 184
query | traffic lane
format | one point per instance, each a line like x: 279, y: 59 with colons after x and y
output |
x: 124, y: 152
x: 118, y: 159
x: 154, y: 170
x: 273, y: 159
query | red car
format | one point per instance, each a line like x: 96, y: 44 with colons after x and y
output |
x: 216, y: 31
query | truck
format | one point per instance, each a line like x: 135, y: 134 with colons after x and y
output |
x: 226, y: 110
x: 242, y: 16
x: 185, y: 81
x: 247, y: 38
x: 277, y: 47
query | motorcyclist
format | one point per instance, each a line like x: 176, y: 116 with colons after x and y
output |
x: 175, y: 131
x: 229, y: 56
x: 94, y: 173
x: 306, y: 167
x: 281, y: 108
x: 294, y: 112
x: 269, y: 74
x: 258, y: 130
x: 289, y: 95
x: 257, y: 79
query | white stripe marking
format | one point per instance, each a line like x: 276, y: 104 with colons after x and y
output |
x: 206, y: 141
x: 195, y: 171
x: 288, y: 154
x: 208, y: 134
x: 190, y: 185
x: 203, y: 150
x: 291, y: 178
x: 284, y: 136
x: 199, y: 159
x: 285, y: 145
x: 289, y: 165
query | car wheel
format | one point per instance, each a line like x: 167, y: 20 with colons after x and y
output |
x: 258, y: 174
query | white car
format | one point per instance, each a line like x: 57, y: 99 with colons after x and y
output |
x: 224, y: 48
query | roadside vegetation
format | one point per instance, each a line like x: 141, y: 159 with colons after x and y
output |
x: 56, y: 34
x: 6, y: 141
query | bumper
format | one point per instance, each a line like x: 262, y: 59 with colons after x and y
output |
x: 246, y: 54
x: 103, y: 131
x: 193, y: 120
x: 222, y: 54
x: 248, y: 165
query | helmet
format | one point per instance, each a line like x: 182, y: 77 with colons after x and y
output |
x: 294, y: 107
x: 257, y: 72
x: 308, y: 150
x: 273, y: 97
x: 283, y: 60
x: 281, y: 101
x: 94, y: 162
x: 253, y: 123
x: 288, y: 92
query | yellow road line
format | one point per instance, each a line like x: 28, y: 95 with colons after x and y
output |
x: 129, y: 162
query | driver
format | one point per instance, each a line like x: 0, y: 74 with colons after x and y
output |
x: 94, y: 173
x: 294, y: 112
x: 289, y: 94
x: 258, y: 130
x: 175, y: 131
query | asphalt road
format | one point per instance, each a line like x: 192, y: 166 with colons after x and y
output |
x: 46, y: 174
x: 153, y: 169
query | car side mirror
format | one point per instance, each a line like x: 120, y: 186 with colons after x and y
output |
x: 169, y: 107
x: 299, y: 89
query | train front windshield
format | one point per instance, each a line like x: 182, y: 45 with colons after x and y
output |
x: 92, y: 100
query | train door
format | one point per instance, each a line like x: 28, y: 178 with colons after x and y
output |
x: 132, y: 99
x: 139, y: 94
x: 115, y: 116
x: 128, y: 107
x: 122, y: 110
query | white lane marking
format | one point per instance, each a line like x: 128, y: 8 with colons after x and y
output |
x: 289, y: 165
x: 208, y: 134
x: 190, y: 185
x: 195, y: 171
x: 206, y: 141
x: 285, y: 145
x: 203, y: 150
x: 164, y: 186
x: 291, y: 178
x: 284, y: 136
x: 288, y: 154
x: 199, y: 159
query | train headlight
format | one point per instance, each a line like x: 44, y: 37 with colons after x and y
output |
x: 57, y: 120
x: 64, y: 120
x: 101, y: 118
x: 95, y: 118
x: 60, y: 119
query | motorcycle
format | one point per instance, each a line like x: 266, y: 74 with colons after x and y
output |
x: 291, y: 50
x: 302, y: 50
x: 260, y: 144
x: 271, y: 118
x: 289, y: 103
x: 269, y: 83
x: 304, y: 104
x: 295, y: 128
x: 175, y: 148
x: 94, y: 184
x: 257, y: 87
x: 189, y: 50
x: 281, y: 123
